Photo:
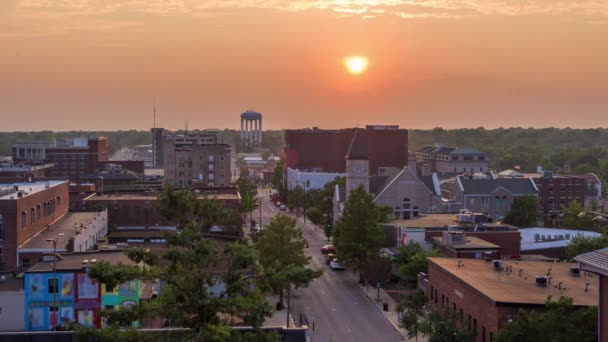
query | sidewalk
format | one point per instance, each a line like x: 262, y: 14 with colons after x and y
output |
x: 391, y: 315
x: 279, y: 317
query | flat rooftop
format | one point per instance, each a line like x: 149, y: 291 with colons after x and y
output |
x: 471, y: 242
x: 7, y: 190
x: 553, y: 237
x: 75, y: 261
x: 143, y: 197
x: 64, y: 225
x: 501, y: 287
x: 445, y: 220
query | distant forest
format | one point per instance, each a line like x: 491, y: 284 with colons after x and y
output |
x: 565, y: 150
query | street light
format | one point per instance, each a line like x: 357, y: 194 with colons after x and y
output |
x: 54, y: 241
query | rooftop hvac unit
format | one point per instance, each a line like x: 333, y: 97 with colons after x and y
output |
x: 498, y: 264
x: 575, y: 271
x: 541, y: 281
x: 465, y: 218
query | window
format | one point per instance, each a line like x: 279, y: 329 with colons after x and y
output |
x: 23, y: 219
x: 461, y: 314
x: 109, y: 288
x: 58, y: 201
x: 436, y: 299
x: 38, y: 212
x: 491, y: 337
x: 483, y: 334
x: 474, y: 325
x: 53, y: 308
x: 431, y: 293
x: 52, y: 285
x: 32, y: 216
x: 26, y: 263
x: 442, y: 300
x: 469, y: 321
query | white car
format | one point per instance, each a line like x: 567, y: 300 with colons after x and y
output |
x: 282, y: 207
x: 335, y: 265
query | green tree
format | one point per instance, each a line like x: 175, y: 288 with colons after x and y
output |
x: 358, y: 236
x: 277, y: 176
x: 281, y: 249
x: 191, y: 272
x: 296, y: 199
x: 328, y: 229
x: 561, y: 321
x: 524, y: 211
x: 314, y: 215
x: 584, y: 244
x: 412, y: 260
x: 575, y: 216
x: 411, y: 308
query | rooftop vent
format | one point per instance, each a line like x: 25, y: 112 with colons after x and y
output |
x: 498, y: 265
x: 541, y: 281
x: 575, y: 271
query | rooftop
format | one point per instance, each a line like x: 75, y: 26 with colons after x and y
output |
x: 471, y: 242
x: 75, y: 261
x: 446, y: 220
x: 65, y: 226
x: 596, y: 259
x: 10, y: 191
x: 517, y: 186
x: 542, y: 238
x: 153, y: 197
x: 501, y: 287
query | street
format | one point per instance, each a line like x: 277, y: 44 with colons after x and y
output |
x: 334, y: 304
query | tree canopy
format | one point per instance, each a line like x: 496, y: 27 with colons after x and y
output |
x: 561, y: 321
x: 358, y: 235
x: 524, y: 212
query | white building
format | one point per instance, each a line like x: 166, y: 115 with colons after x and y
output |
x: 309, y: 180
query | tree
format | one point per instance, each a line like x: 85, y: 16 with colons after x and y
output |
x: 328, y: 229
x: 315, y: 215
x: 524, y: 211
x: 296, y: 199
x: 277, y: 176
x: 412, y: 260
x: 358, y: 235
x: 186, y: 299
x: 411, y: 308
x: 444, y: 326
x: 575, y: 216
x: 584, y: 244
x: 561, y: 321
x: 281, y: 249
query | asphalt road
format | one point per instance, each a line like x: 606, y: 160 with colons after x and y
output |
x: 335, y: 304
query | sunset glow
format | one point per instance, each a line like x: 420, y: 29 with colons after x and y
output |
x: 355, y: 64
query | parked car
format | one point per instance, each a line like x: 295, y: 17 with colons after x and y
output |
x: 335, y: 265
x: 282, y: 207
x: 329, y: 257
x: 327, y: 249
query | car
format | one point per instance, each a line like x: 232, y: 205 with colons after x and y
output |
x: 327, y: 249
x: 282, y: 207
x: 335, y: 265
x: 329, y: 257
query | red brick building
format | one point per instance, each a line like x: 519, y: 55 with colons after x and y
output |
x: 310, y: 149
x: 72, y: 158
x: 25, y: 210
x: 485, y: 295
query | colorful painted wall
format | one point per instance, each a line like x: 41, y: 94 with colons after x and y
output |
x: 39, y: 311
x: 79, y: 298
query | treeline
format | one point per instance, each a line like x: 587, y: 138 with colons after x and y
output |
x: 565, y: 150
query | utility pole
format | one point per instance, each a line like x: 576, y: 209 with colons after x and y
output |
x: 56, y: 289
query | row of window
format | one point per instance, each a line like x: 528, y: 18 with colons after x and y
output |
x: 36, y: 214
x: 471, y: 321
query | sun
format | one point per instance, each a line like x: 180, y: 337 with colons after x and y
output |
x: 355, y: 64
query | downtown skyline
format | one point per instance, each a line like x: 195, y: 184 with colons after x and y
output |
x: 97, y: 65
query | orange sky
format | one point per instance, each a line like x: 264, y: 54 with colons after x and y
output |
x: 97, y: 64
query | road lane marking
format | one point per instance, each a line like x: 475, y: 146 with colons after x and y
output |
x: 334, y: 309
x: 323, y: 291
x: 347, y: 329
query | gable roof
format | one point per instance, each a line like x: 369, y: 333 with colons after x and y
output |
x: 517, y: 186
x: 358, y: 147
x: 596, y: 259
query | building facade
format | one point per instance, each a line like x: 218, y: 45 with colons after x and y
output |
x: 452, y: 160
x: 324, y: 150
x: 25, y: 210
x: 309, y: 180
x: 71, y: 158
x: 196, y: 159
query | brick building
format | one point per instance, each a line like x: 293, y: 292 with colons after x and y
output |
x: 10, y: 172
x: 71, y: 158
x: 447, y: 160
x: 554, y: 190
x: 456, y: 244
x: 424, y: 228
x: 324, y: 150
x: 487, y: 295
x: 196, y: 159
x: 25, y: 210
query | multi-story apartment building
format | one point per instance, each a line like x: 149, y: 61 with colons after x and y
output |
x: 71, y: 158
x: 196, y: 159
x: 25, y: 210
x: 452, y: 160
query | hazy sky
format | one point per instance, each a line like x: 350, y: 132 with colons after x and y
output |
x: 98, y: 64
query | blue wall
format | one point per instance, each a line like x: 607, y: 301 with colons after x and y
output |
x: 38, y: 300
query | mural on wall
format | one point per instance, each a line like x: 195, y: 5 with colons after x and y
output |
x: 86, y: 317
x: 87, y: 287
x: 67, y: 285
x: 36, y: 318
x: 36, y: 286
x: 66, y: 314
x: 128, y: 289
